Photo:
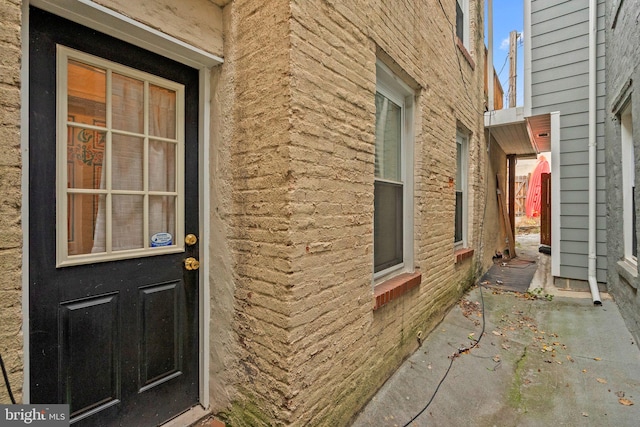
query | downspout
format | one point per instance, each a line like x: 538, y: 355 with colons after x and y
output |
x: 593, y: 29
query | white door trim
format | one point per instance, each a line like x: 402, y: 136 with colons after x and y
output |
x: 114, y: 24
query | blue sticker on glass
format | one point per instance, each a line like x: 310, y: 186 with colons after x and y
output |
x: 161, y: 239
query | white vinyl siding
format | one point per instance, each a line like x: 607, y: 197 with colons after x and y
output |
x: 560, y: 82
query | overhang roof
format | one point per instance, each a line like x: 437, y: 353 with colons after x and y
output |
x: 517, y: 134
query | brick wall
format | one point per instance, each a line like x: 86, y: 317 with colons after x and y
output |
x: 10, y: 199
x: 252, y: 180
x: 294, y: 338
x: 310, y: 348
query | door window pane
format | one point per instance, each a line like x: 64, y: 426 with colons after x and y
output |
x: 128, y: 215
x: 128, y: 103
x: 162, y: 112
x: 162, y: 166
x: 82, y: 223
x: 128, y: 163
x: 86, y: 99
x: 85, y: 157
x: 162, y: 216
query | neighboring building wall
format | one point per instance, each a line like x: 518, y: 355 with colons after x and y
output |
x: 296, y: 200
x: 11, y: 332
x: 623, y: 75
x: 560, y: 82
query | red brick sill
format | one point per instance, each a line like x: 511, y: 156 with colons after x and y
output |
x: 462, y: 254
x: 394, y: 288
x: 465, y: 52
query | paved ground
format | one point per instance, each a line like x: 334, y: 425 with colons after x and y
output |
x: 550, y: 358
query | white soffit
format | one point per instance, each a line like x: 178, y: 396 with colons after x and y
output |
x: 112, y: 23
x: 519, y: 135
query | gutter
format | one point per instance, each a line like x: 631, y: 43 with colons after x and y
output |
x: 593, y: 28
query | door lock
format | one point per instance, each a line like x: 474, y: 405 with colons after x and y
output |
x: 191, y: 264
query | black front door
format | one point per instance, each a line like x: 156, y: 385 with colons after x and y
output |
x: 113, y: 215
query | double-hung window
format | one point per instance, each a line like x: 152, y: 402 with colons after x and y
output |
x: 462, y: 22
x: 628, y: 187
x: 393, y: 184
x: 462, y: 150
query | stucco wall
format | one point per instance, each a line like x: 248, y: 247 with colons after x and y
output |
x: 623, y: 75
x: 293, y: 167
x: 11, y: 333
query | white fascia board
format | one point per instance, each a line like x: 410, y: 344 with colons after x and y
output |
x: 115, y: 24
x: 504, y: 117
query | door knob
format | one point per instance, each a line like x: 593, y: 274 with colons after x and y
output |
x: 191, y: 264
x: 190, y: 239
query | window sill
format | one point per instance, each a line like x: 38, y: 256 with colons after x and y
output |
x: 466, y: 53
x: 394, y: 288
x: 462, y: 254
x: 628, y: 271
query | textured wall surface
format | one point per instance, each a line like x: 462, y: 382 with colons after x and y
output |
x: 10, y: 199
x: 293, y: 171
x: 294, y: 337
x: 623, y: 75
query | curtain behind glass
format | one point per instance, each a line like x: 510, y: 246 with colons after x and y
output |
x: 127, y: 165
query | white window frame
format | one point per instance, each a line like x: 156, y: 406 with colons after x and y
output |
x: 462, y: 138
x: 393, y: 88
x: 63, y: 258
x: 464, y: 6
x: 628, y: 180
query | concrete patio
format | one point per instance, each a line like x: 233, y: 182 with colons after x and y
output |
x: 546, y: 357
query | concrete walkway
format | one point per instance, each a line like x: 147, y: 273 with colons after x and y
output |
x: 554, y: 360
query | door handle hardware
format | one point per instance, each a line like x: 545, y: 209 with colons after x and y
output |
x: 191, y: 264
x: 190, y: 239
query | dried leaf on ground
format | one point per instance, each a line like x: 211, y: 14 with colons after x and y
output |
x: 625, y: 402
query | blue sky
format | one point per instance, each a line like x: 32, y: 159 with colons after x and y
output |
x: 507, y: 16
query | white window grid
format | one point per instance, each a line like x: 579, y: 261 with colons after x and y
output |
x: 63, y: 259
